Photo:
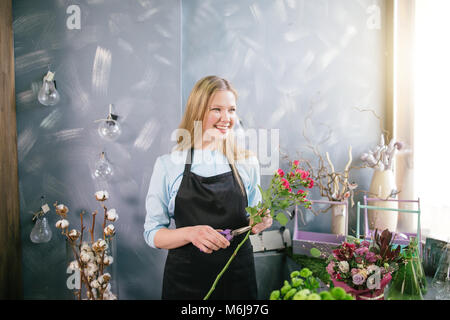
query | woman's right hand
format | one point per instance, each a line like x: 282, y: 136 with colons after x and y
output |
x: 206, y: 238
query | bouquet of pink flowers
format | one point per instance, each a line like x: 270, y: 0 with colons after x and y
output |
x: 364, y: 268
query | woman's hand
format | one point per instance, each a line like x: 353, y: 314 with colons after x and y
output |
x: 206, y: 238
x: 266, y: 223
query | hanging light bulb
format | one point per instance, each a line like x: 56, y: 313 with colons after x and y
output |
x: 103, y: 169
x: 48, y: 95
x: 109, y: 128
x: 41, y: 231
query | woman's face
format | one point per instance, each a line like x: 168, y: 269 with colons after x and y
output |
x: 220, y: 116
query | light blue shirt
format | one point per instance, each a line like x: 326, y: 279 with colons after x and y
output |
x: 168, y: 173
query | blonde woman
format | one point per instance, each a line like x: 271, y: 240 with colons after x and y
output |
x: 205, y: 194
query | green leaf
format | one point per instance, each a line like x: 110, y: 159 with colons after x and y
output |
x: 284, y: 204
x: 281, y: 218
x: 257, y: 219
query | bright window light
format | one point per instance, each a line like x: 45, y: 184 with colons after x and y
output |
x: 432, y: 115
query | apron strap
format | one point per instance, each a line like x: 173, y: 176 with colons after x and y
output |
x: 188, y: 164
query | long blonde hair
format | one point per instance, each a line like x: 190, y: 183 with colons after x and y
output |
x: 196, y: 108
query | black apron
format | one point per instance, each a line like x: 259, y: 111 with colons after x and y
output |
x: 189, y: 273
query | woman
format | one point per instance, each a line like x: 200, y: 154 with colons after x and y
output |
x: 205, y: 194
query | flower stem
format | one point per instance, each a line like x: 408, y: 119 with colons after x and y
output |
x: 226, y: 266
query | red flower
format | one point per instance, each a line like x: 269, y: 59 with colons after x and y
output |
x: 311, y: 183
x: 280, y: 173
x: 285, y: 183
x: 300, y: 192
x: 296, y: 163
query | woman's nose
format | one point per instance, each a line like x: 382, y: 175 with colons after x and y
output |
x: 225, y: 116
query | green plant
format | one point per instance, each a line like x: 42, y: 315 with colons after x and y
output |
x: 304, y: 286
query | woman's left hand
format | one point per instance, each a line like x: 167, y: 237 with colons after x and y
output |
x: 266, y: 223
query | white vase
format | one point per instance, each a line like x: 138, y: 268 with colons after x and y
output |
x: 338, y: 214
x: 382, y: 185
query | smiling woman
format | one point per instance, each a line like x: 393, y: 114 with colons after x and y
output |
x: 220, y: 117
x: 204, y: 199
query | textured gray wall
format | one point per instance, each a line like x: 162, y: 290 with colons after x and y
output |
x: 138, y: 46
x: 291, y: 61
x: 286, y: 58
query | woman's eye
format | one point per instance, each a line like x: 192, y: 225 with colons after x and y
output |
x: 232, y: 109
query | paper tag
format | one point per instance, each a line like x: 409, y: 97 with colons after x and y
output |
x: 49, y: 76
x: 45, y: 208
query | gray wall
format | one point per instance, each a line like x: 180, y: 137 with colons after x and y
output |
x: 286, y: 58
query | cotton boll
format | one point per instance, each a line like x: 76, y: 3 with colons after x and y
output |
x: 74, y: 234
x: 102, y: 195
x: 110, y: 230
x: 62, y: 224
x: 74, y: 265
x: 111, y: 215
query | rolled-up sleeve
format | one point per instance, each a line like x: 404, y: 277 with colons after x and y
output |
x: 156, y: 203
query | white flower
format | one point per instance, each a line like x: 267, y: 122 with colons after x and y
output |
x: 99, y: 245
x: 74, y: 265
x: 61, y: 209
x: 62, y: 224
x: 111, y: 215
x: 344, y: 266
x: 86, y: 256
x: 74, y: 234
x: 107, y: 260
x: 95, y: 284
x: 92, y: 268
x: 104, y: 278
x: 102, y: 195
x: 372, y: 268
x: 110, y: 230
x: 85, y: 247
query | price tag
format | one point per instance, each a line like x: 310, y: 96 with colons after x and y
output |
x: 45, y: 208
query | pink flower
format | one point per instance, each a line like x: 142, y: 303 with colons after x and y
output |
x: 305, y: 174
x: 330, y: 268
x: 358, y: 279
x: 280, y: 172
x: 365, y: 243
x: 285, y: 183
x: 296, y: 163
x: 370, y: 257
x: 311, y: 183
x: 361, y: 251
x: 354, y: 271
x: 300, y: 192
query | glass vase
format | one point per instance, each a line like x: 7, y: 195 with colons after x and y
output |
x: 406, y: 282
x: 441, y: 279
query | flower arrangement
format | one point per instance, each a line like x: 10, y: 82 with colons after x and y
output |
x: 381, y: 158
x: 285, y: 190
x: 304, y: 286
x: 364, y: 268
x: 91, y: 259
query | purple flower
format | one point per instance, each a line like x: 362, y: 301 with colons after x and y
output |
x: 365, y: 243
x: 330, y: 268
x: 358, y: 279
x: 370, y: 257
x: 361, y: 251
